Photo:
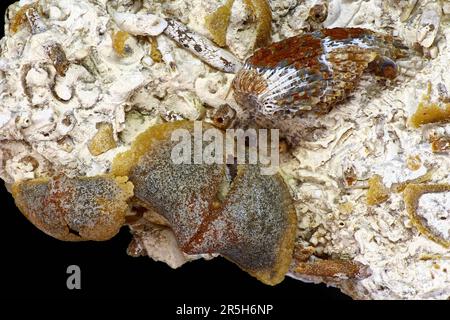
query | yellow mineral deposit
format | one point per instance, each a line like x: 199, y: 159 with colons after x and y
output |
x: 119, y: 42
x: 263, y: 17
x: 411, y: 196
x: 430, y: 113
x: 155, y: 54
x: 21, y: 17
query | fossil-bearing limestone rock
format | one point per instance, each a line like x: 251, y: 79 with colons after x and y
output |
x: 368, y: 179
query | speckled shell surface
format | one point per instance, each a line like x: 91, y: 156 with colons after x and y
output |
x: 78, y: 85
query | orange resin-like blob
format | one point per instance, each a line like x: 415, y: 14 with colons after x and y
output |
x: 430, y: 113
x: 411, y: 196
x: 20, y: 18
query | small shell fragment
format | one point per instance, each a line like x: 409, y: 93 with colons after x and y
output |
x: 35, y: 21
x: 407, y: 9
x: 440, y: 144
x: 20, y: 17
x: 223, y: 116
x: 140, y: 24
x: 434, y: 52
x: 58, y: 57
x: 319, y: 12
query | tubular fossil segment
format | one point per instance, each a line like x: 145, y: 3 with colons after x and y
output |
x: 75, y: 209
x: 202, y: 47
x: 140, y: 24
x: 50, y: 117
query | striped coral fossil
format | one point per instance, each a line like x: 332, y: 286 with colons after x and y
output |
x: 313, y: 71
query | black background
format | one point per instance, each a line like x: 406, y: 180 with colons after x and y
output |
x: 33, y: 265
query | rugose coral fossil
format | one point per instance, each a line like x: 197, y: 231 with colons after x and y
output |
x: 93, y: 91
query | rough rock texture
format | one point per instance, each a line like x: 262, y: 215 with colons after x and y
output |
x: 49, y: 115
